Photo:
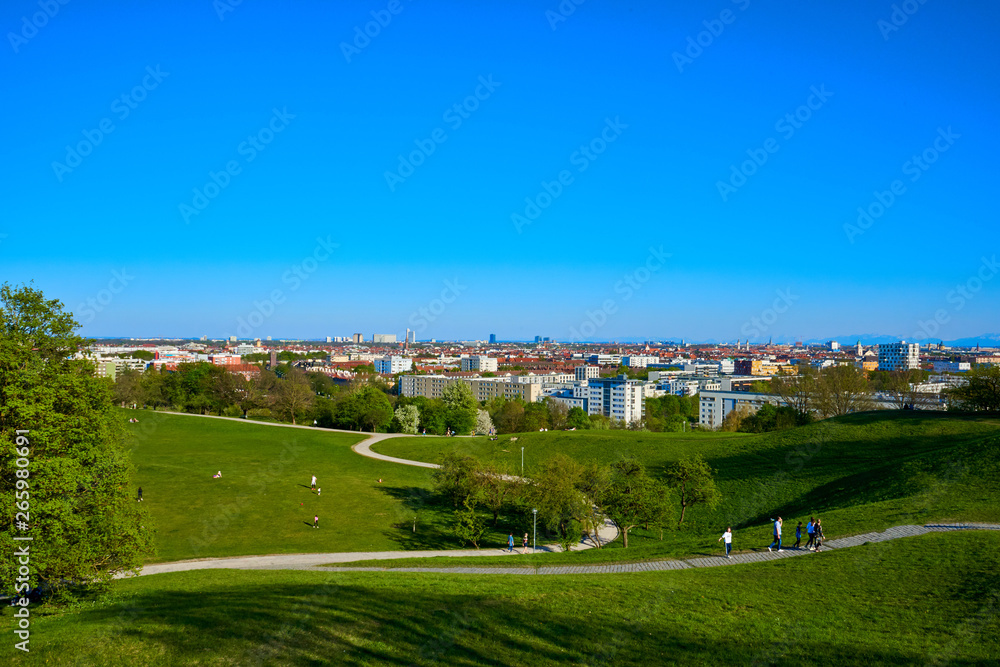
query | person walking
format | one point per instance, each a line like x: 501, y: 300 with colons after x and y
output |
x: 818, y: 531
x: 777, y: 535
x: 524, y: 544
x: 138, y: 497
x: 798, y: 535
x: 510, y: 543
x: 728, y: 537
x: 316, y: 521
x: 312, y: 485
x: 811, y: 530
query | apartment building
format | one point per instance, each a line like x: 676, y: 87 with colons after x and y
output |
x: 636, y: 361
x: 432, y: 386
x: 616, y: 398
x: 480, y: 363
x: 393, y: 364
x: 584, y: 373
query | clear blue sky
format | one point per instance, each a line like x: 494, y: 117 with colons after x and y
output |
x: 609, y: 68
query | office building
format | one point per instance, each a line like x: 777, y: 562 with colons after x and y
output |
x: 901, y: 356
x: 715, y: 405
x: 383, y: 338
x: 357, y: 339
x: 493, y: 339
x: 951, y: 366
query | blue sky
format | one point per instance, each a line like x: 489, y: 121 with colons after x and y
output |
x: 640, y: 240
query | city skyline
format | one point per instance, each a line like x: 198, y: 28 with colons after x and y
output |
x: 726, y: 172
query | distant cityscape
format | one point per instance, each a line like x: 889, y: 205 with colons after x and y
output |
x: 599, y: 379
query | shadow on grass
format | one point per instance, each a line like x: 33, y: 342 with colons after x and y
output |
x: 432, y: 515
x: 338, y: 622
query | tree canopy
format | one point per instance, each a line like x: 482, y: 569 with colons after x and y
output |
x: 76, y: 498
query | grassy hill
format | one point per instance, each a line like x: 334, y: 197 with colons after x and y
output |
x: 263, y: 503
x: 859, y: 473
x: 926, y: 600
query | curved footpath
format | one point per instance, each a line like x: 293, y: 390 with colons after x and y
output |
x: 316, y: 561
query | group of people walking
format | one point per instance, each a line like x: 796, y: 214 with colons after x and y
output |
x: 524, y: 543
x: 814, y: 530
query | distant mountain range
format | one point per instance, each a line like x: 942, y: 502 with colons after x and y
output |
x: 983, y: 340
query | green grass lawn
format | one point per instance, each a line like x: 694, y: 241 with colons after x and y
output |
x: 263, y: 504
x: 860, y: 473
x: 933, y: 599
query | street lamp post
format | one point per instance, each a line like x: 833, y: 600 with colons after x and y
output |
x: 522, y: 461
x: 534, y: 522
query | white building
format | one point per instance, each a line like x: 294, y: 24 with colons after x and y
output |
x: 605, y: 359
x: 833, y: 345
x: 543, y: 379
x: 635, y: 361
x: 584, y: 373
x: 392, y: 365
x: 383, y: 338
x: 901, y: 356
x: 479, y: 363
x: 715, y: 405
x: 616, y: 398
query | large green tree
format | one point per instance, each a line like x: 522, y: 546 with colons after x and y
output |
x: 77, y: 494
x: 633, y: 498
x: 694, y: 481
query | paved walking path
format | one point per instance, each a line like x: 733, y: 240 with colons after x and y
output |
x: 315, y: 562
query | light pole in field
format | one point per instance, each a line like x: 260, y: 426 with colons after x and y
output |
x: 534, y: 523
x: 522, y: 461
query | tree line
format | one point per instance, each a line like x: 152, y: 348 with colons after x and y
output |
x: 368, y: 403
x: 573, y: 500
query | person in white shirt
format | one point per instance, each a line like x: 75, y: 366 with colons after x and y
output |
x: 728, y: 537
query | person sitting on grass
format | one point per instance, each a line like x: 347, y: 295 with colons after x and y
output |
x: 217, y: 475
